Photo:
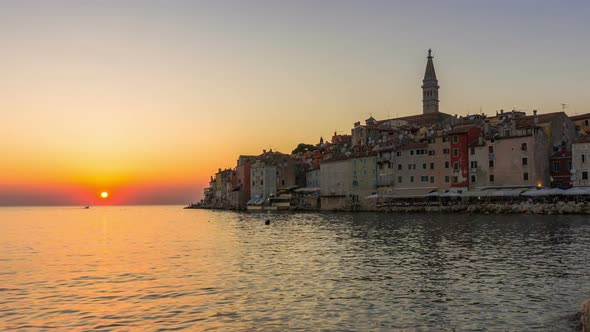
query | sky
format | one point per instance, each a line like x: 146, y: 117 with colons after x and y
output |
x: 147, y: 99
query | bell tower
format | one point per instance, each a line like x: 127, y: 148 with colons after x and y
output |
x: 430, y: 88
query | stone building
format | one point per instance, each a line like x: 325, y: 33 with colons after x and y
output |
x: 581, y: 162
x: 560, y: 169
x: 581, y: 123
x: 509, y: 161
x: 346, y: 181
x: 272, y: 172
x: 460, y: 138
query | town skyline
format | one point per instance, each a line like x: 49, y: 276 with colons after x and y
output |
x: 148, y: 105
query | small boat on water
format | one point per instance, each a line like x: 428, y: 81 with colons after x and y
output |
x: 86, y: 207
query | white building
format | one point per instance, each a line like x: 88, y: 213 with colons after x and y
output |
x: 580, y: 162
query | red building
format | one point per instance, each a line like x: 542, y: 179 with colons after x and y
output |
x: 561, y: 164
x: 242, y: 179
x: 460, y: 138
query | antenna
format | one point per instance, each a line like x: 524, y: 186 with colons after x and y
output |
x: 563, y: 107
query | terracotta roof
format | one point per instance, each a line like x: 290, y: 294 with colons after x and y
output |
x: 529, y: 120
x: 461, y: 129
x: 583, y: 139
x: 580, y: 117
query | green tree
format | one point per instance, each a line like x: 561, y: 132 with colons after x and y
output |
x: 302, y: 148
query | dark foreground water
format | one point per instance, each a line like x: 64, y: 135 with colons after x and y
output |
x: 159, y: 268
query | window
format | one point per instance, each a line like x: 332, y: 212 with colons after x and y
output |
x: 431, y: 152
x: 411, y: 152
x: 585, y: 175
x: 586, y: 122
x: 507, y: 132
x: 474, y: 164
x: 491, y: 163
x: 583, y: 158
x: 446, y: 151
x: 424, y: 166
x: 525, y: 176
x: 491, y: 177
x: 399, y: 167
x: 424, y: 178
x: 569, y: 165
x: 355, y: 183
x: 282, y: 182
x: 398, y: 153
x: 523, y: 147
x: 473, y: 179
x: 445, y: 139
x: 447, y: 178
x: 412, y: 178
x: 525, y: 161
x: 455, y: 179
x: 431, y: 165
x: 446, y: 164
x: 432, y: 179
x: 556, y: 167
x: 455, y: 152
x: 455, y: 138
x: 411, y: 166
x: 455, y: 166
x: 399, y: 179
x: 253, y: 183
x: 490, y: 149
x: 472, y: 151
x: 261, y: 182
x: 380, y: 166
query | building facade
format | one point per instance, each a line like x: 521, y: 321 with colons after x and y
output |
x: 580, y: 162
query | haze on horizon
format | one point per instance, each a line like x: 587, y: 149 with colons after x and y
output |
x: 147, y: 99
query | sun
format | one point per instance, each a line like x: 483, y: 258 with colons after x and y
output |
x: 104, y: 194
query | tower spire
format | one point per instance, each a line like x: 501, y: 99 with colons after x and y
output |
x: 430, y: 87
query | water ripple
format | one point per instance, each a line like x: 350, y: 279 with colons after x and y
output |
x: 166, y: 269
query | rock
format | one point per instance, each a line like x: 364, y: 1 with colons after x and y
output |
x: 567, y: 209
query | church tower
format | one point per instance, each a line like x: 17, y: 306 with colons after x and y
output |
x: 430, y: 88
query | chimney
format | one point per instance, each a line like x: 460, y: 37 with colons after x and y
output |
x: 501, y: 111
x: 486, y: 126
x: 535, y: 117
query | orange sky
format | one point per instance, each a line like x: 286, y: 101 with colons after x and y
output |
x: 147, y: 101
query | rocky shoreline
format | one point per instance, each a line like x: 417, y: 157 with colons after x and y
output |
x: 556, y: 208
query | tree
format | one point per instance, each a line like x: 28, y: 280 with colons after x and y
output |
x: 302, y: 148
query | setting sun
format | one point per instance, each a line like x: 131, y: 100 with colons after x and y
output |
x: 104, y: 194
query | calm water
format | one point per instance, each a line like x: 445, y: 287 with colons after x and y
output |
x: 160, y: 268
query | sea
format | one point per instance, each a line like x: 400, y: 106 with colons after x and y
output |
x: 164, y: 268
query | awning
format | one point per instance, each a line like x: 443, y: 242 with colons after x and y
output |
x: 477, y: 193
x: 408, y: 193
x: 450, y: 194
x: 515, y: 192
x: 577, y: 191
x: 282, y: 197
x: 256, y: 200
x: 543, y: 192
x: 307, y: 190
